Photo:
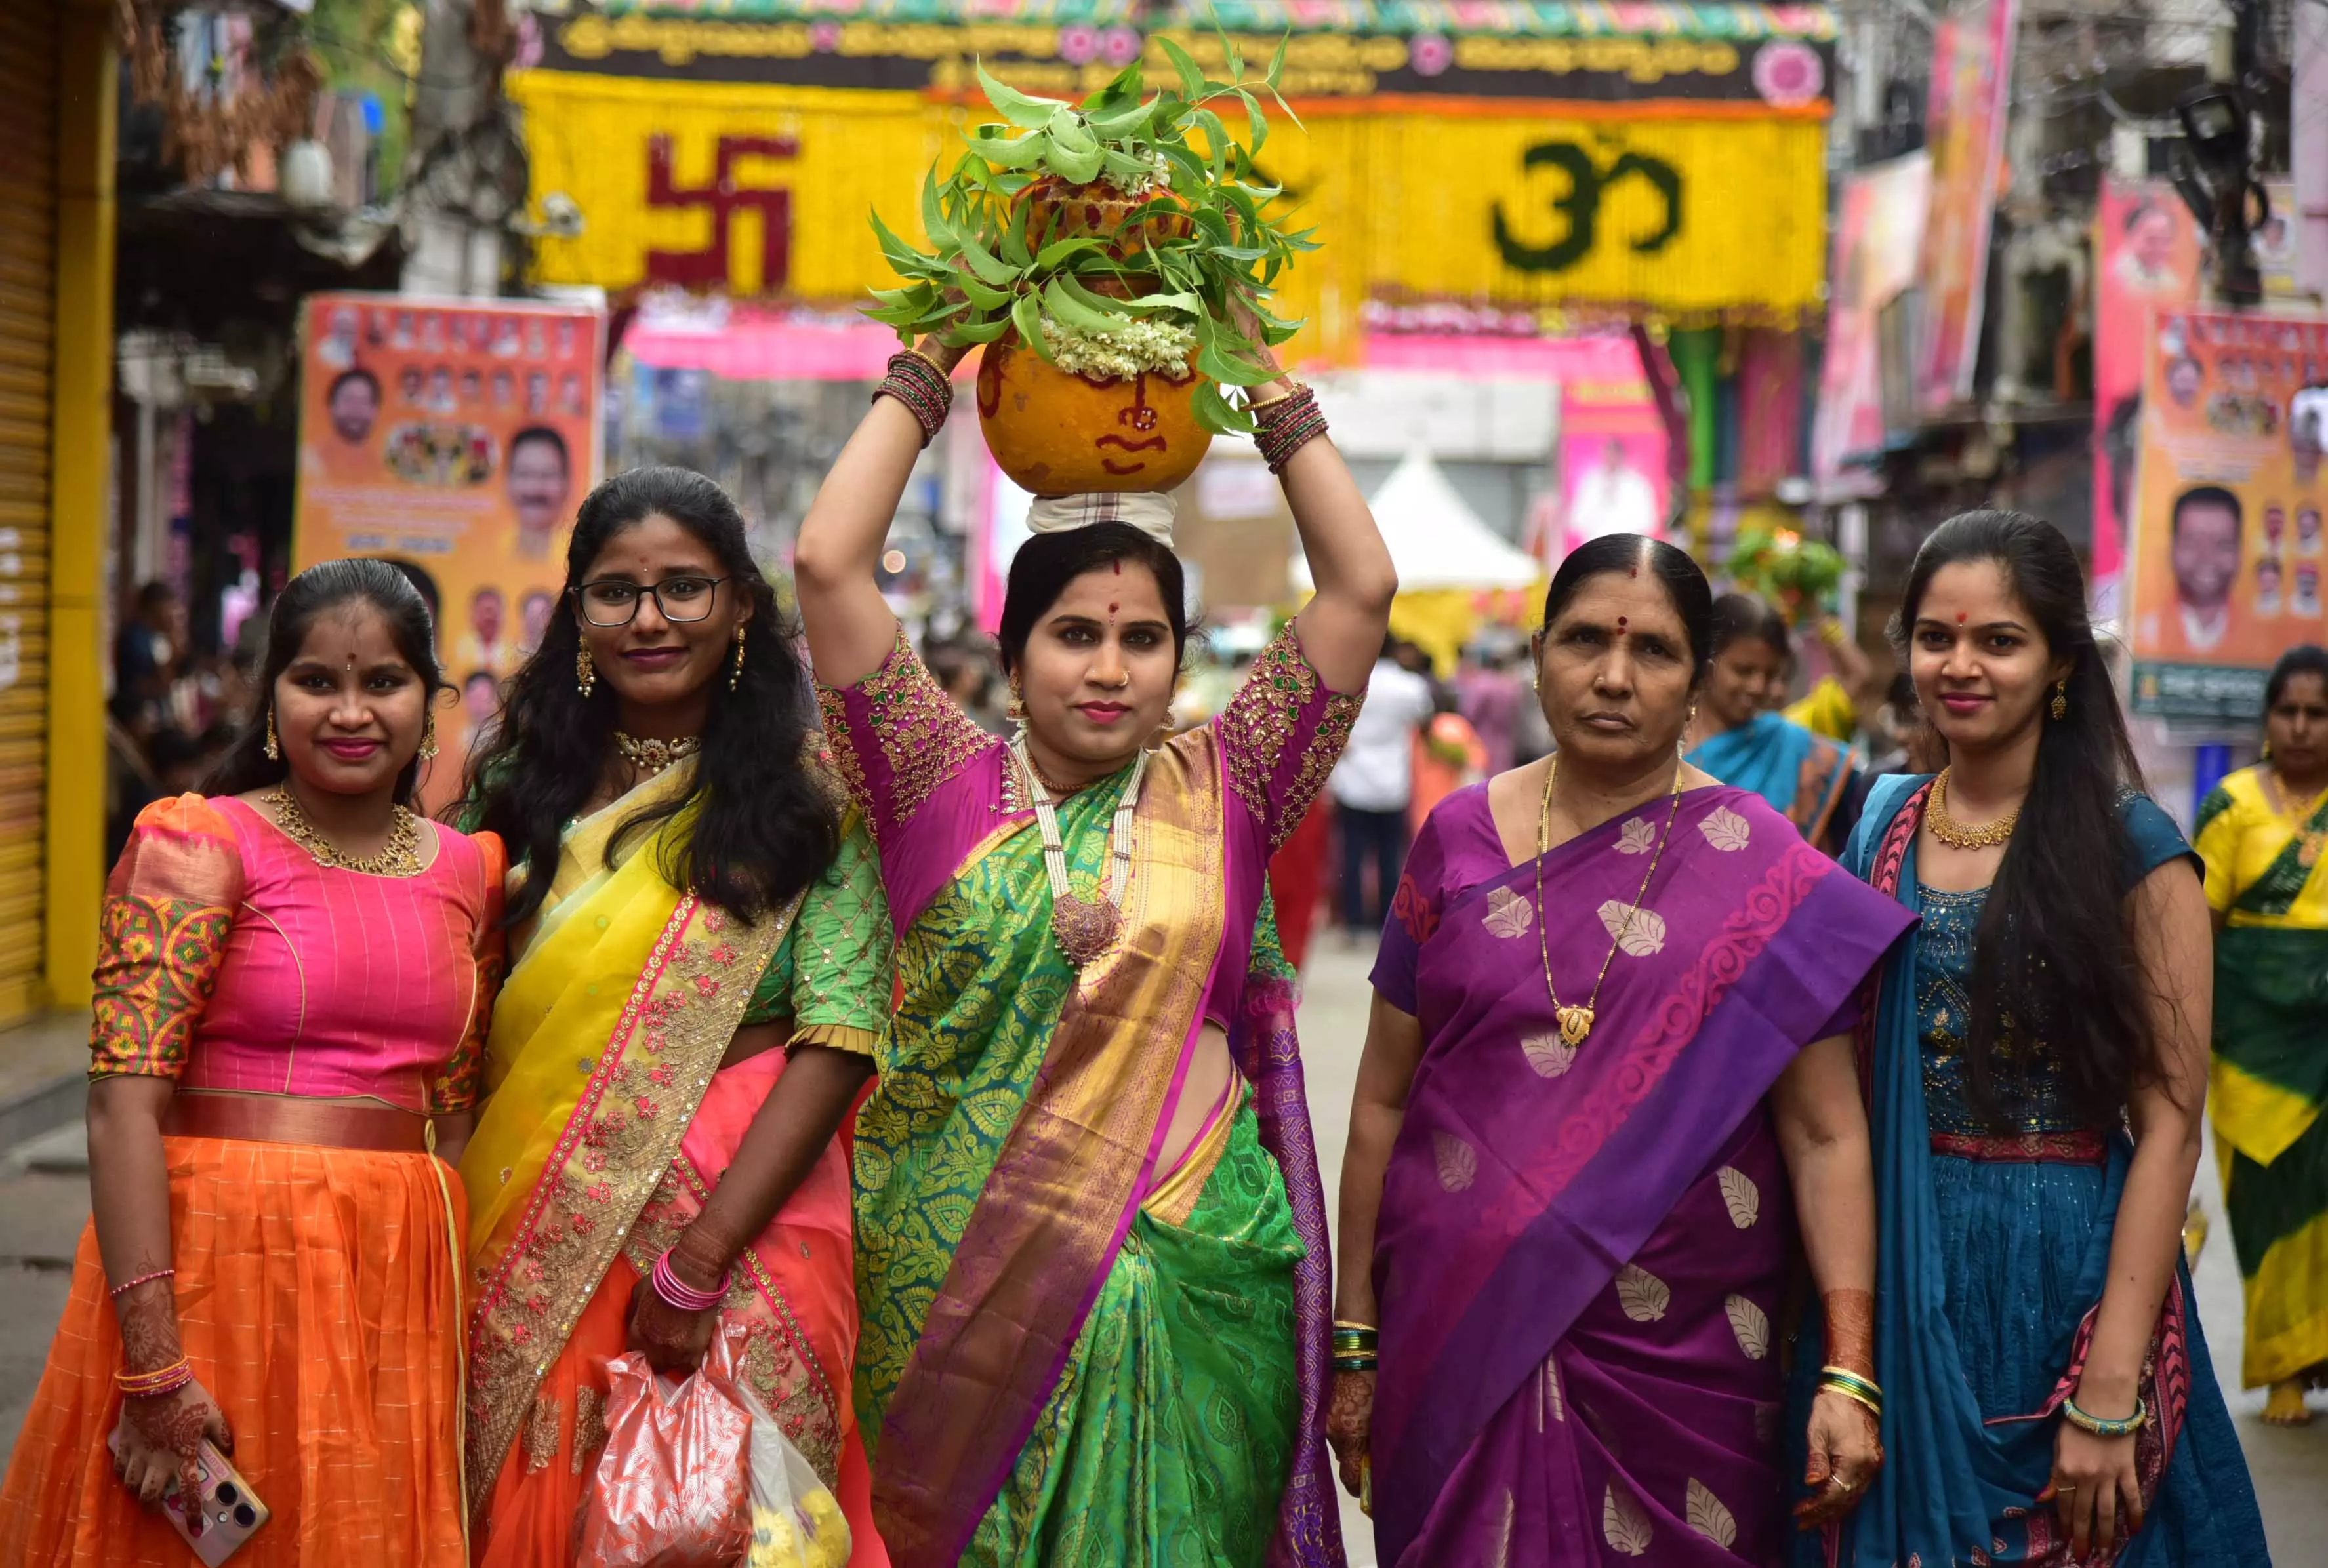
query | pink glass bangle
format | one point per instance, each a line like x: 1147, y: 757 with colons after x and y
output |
x: 126, y: 1286
x: 679, y: 1293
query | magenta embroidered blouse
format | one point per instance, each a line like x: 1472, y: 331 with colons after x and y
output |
x: 932, y: 786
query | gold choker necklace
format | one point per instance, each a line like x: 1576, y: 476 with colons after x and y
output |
x: 400, y: 857
x: 1955, y: 834
x: 652, y: 756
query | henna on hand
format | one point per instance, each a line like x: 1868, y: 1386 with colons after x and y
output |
x: 148, y: 1316
x: 1846, y: 1453
x: 1349, y: 1424
x: 1851, y: 1331
x: 672, y: 1340
x: 161, y: 1439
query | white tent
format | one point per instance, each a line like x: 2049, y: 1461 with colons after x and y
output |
x: 1436, y: 540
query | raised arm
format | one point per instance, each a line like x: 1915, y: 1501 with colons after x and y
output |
x: 2095, y: 1485
x: 850, y: 629
x: 1341, y: 629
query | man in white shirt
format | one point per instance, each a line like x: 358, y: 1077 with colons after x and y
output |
x: 1612, y: 496
x: 1372, y: 785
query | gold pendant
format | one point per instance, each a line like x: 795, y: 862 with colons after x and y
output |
x: 1575, y: 1023
x: 1084, y: 927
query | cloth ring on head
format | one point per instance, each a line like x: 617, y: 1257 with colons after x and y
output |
x: 1149, y: 511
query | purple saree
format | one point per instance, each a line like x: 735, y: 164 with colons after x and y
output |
x: 1581, y: 1250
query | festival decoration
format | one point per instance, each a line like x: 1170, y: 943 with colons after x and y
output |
x: 1123, y: 242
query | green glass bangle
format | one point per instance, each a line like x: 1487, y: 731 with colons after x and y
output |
x: 1843, y: 1380
x: 1355, y: 1363
x: 2124, y: 1426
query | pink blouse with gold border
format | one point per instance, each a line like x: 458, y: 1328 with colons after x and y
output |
x: 230, y: 959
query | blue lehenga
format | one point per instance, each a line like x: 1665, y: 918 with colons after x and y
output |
x: 1993, y: 1249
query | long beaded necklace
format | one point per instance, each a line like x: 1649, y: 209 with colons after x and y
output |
x: 653, y: 756
x: 1955, y: 834
x: 400, y: 857
x: 1576, y: 1022
x: 1084, y: 927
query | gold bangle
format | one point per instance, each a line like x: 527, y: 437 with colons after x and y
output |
x: 1293, y: 389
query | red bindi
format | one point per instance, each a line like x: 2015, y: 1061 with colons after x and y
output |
x: 1623, y: 623
x: 1118, y: 565
x: 1960, y: 617
x: 1111, y: 609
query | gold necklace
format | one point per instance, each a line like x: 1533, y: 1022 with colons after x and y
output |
x: 1576, y: 1022
x: 400, y: 857
x: 2293, y: 815
x: 1953, y: 834
x: 653, y: 756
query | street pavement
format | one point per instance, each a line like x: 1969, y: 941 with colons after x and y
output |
x: 44, y: 1200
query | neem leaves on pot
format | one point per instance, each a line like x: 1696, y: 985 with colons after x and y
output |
x: 1099, y: 236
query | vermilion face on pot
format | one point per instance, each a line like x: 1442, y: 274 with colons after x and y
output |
x: 1055, y: 433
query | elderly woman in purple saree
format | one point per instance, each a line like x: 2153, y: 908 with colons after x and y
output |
x: 1584, y: 1222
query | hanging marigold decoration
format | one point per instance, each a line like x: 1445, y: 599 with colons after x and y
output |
x: 214, y: 126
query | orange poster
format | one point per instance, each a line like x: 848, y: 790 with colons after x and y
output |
x: 454, y: 438
x: 2227, y: 552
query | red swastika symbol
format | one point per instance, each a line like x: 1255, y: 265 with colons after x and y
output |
x: 708, y: 267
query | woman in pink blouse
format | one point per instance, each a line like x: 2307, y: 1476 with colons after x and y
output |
x: 1091, y: 1249
x: 291, y: 986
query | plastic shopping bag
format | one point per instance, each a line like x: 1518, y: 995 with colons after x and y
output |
x: 670, y: 1490
x: 796, y: 1521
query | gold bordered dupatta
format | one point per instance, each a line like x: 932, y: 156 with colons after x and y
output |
x: 603, y: 1040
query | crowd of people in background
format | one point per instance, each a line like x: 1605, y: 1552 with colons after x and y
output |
x: 173, y: 711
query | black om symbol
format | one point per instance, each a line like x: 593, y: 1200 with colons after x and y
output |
x: 1587, y: 184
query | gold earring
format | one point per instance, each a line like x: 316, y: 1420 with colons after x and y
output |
x: 2061, y: 699
x: 586, y: 674
x: 428, y: 738
x: 274, y: 747
x: 1016, y: 712
x: 736, y: 674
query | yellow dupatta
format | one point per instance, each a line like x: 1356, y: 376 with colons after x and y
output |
x: 603, y: 1040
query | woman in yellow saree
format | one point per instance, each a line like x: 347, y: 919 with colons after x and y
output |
x: 2261, y: 832
x: 698, y: 978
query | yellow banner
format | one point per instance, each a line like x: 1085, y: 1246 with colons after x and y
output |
x: 763, y: 191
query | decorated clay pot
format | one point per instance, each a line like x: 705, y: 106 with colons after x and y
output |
x: 1055, y: 433
x: 1058, y: 210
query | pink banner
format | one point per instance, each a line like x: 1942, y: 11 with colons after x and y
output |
x: 2146, y: 255
x: 1972, y: 91
x: 1878, y: 230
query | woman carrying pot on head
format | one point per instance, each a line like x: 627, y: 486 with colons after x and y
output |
x: 1094, y: 1270
x: 293, y: 977
x: 2262, y: 832
x: 1736, y: 737
x: 2035, y: 1070
x: 1607, y: 1077
x: 700, y: 968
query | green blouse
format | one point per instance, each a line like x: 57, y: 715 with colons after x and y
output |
x: 832, y: 976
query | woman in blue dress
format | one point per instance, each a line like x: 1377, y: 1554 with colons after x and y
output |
x: 1735, y: 735
x: 2036, y: 1072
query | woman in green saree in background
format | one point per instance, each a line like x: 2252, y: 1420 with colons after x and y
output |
x: 1093, y: 1274
x: 2261, y: 832
x: 1735, y: 738
x: 701, y: 966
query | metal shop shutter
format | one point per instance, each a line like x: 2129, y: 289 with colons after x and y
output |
x: 28, y: 237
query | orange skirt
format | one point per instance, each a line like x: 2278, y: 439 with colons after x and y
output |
x: 317, y: 1300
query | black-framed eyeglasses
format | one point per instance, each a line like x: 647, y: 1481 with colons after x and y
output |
x: 614, y: 601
